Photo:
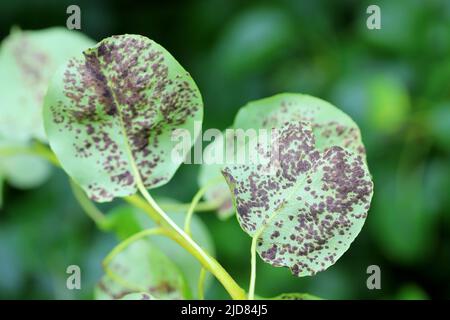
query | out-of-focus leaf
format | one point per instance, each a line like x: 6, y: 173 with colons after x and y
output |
x: 28, y: 59
x: 401, y: 223
x: 23, y: 171
x: 127, y: 220
x: 115, y: 107
x: 306, y: 214
x: 411, y: 292
x: 142, y: 267
x: 389, y: 104
x: 254, y: 38
x: 400, y: 24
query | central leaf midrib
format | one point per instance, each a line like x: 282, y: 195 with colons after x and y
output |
x: 134, y: 169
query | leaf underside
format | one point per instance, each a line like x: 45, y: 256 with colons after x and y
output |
x: 116, y: 106
x: 306, y: 213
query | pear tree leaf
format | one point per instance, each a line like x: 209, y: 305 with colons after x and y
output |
x: 22, y: 171
x: 304, y: 214
x: 127, y: 220
x: 142, y: 267
x: 114, y: 107
x: 138, y: 296
x: 28, y: 59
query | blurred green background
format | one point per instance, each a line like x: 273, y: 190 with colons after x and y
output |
x: 394, y: 82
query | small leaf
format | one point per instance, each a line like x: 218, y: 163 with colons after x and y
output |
x: 142, y: 267
x: 127, y: 220
x: 115, y: 107
x: 138, y: 296
x: 28, y: 59
x: 306, y: 214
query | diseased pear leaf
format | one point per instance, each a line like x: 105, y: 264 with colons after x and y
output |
x: 307, y: 211
x: 142, y: 267
x: 28, y: 59
x: 115, y: 106
x: 331, y: 126
x: 127, y: 220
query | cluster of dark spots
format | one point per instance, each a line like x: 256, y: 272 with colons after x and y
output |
x: 124, y: 82
x: 332, y: 190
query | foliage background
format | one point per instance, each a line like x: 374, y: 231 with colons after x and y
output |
x: 394, y: 82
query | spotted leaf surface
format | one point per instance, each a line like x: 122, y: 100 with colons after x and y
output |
x: 115, y: 106
x: 142, y: 268
x: 331, y: 126
x: 307, y: 211
x: 28, y: 60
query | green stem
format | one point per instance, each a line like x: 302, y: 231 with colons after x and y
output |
x: 201, y: 284
x: 251, y: 290
x: 178, y: 235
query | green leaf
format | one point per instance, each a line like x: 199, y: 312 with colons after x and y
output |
x: 127, y: 220
x: 138, y: 296
x: 438, y: 122
x: 307, y: 212
x: 411, y: 291
x: 218, y: 192
x: 28, y: 59
x: 22, y: 171
x: 389, y: 103
x: 142, y: 267
x: 111, y: 111
x: 331, y: 126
